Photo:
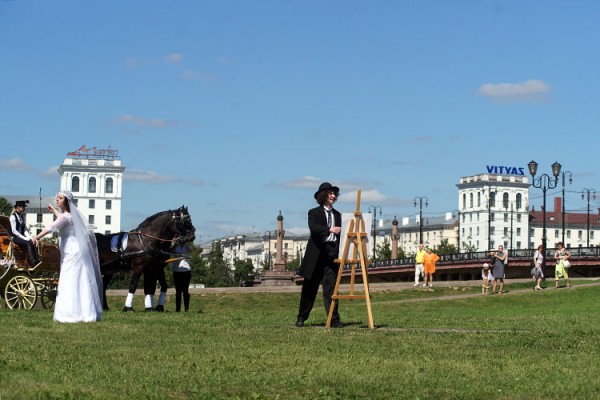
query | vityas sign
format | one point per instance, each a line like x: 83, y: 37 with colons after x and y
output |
x: 503, y: 170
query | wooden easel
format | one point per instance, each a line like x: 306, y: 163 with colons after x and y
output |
x: 358, y: 236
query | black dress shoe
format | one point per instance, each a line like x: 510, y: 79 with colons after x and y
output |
x: 127, y: 309
x: 336, y: 324
x: 300, y: 322
x: 159, y: 308
x: 149, y: 309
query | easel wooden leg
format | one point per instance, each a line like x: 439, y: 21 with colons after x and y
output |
x: 356, y: 235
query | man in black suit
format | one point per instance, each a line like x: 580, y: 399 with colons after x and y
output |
x: 318, y: 263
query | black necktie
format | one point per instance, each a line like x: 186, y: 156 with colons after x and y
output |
x: 329, y: 218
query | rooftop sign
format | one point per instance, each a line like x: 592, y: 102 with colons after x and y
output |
x: 504, y: 170
x: 94, y: 152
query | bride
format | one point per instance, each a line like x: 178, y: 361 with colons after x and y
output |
x: 79, y: 296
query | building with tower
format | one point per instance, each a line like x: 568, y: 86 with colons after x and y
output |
x: 95, y: 176
x: 493, y: 210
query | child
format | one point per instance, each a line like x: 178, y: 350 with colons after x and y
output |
x: 487, y: 277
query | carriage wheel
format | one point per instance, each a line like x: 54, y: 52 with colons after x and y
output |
x: 20, y: 293
x: 48, y: 295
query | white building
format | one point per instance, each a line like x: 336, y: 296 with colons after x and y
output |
x: 493, y: 211
x: 260, y: 249
x: 95, y: 176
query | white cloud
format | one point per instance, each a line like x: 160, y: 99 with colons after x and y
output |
x: 307, y: 182
x: 51, y: 172
x: 371, y: 195
x: 531, y: 90
x: 173, y: 58
x: 15, y: 164
x: 156, y: 123
x: 147, y: 177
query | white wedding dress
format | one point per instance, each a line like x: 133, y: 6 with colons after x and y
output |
x: 79, y: 296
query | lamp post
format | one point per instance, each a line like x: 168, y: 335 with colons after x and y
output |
x: 373, y: 210
x: 457, y: 211
x: 544, y: 182
x: 511, y: 220
x: 583, y: 193
x: 491, y: 191
x: 269, y: 250
x: 421, y: 199
x: 563, y: 174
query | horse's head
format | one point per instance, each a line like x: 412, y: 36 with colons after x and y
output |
x: 183, y: 225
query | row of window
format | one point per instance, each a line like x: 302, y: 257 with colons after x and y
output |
x: 108, y: 204
x: 492, y: 217
x: 505, y: 203
x: 108, y: 185
x: 92, y: 219
x: 568, y: 234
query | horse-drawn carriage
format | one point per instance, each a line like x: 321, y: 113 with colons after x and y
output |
x: 22, y: 284
x: 149, y: 249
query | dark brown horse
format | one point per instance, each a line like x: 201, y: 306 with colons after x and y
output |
x: 148, y: 248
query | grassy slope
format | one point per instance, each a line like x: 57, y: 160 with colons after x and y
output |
x: 522, y: 345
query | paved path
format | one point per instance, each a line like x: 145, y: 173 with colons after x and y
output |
x: 374, y: 287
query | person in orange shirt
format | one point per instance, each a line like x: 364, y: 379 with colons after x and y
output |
x: 429, y: 261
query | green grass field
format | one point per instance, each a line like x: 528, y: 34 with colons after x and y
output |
x: 429, y: 344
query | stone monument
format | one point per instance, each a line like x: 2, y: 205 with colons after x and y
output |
x: 278, y: 276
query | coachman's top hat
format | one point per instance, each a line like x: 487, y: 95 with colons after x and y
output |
x: 327, y: 186
x: 22, y: 203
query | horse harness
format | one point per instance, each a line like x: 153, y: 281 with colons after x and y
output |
x: 119, y: 243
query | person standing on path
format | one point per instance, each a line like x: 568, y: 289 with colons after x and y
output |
x: 498, y: 262
x: 419, y: 259
x: 536, y: 272
x: 562, y: 256
x: 322, y: 249
x: 79, y: 294
x: 429, y: 260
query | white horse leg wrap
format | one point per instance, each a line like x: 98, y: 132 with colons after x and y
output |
x: 129, y: 300
x: 148, y: 301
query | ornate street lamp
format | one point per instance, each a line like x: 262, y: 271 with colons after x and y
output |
x: 457, y: 211
x: 563, y: 174
x: 421, y: 199
x: 583, y: 193
x: 269, y: 265
x: 544, y: 182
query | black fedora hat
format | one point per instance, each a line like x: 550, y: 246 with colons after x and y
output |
x: 22, y: 203
x: 327, y: 186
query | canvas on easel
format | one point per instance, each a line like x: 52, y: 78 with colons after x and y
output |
x: 353, y: 253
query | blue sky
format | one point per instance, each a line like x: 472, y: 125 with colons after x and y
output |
x: 240, y: 109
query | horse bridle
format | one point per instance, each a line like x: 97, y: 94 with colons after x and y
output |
x: 178, y: 219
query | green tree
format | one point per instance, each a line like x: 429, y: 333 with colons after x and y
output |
x: 469, y: 248
x: 5, y: 206
x: 243, y: 271
x: 384, y: 251
x: 446, y: 248
x: 198, y: 265
x: 401, y: 254
x: 294, y: 265
x: 218, y: 273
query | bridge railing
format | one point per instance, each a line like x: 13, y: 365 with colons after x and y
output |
x: 483, y: 256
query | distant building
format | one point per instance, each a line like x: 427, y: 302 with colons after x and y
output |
x: 261, y: 249
x: 576, y: 227
x: 493, y: 211
x: 95, y: 176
